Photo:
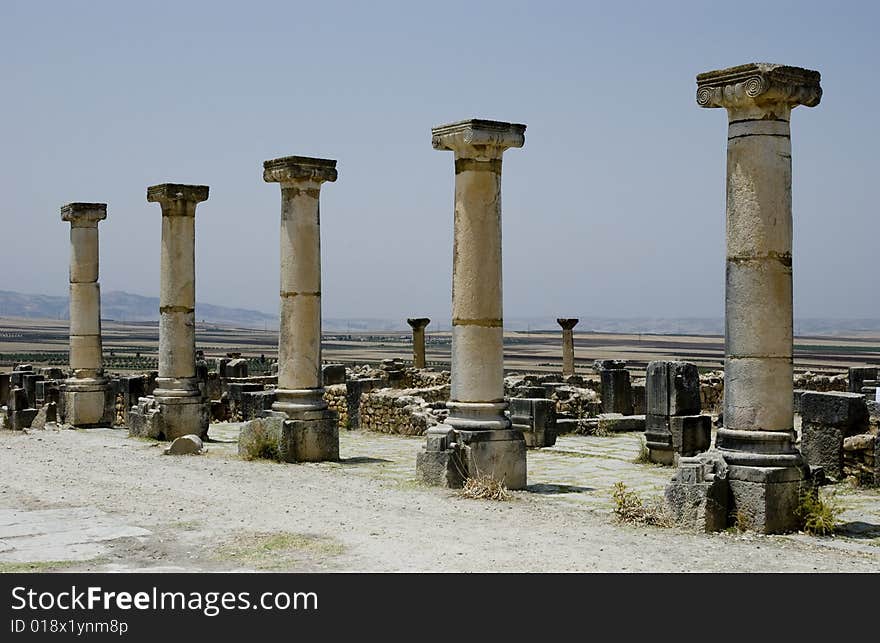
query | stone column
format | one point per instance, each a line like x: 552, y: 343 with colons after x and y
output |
x: 567, y: 345
x: 88, y: 398
x: 477, y: 425
x: 418, y: 325
x: 757, y: 441
x: 300, y: 393
x: 180, y: 401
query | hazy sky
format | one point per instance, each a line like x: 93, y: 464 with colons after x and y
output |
x: 614, y: 207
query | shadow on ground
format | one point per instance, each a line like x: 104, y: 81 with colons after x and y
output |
x: 550, y: 489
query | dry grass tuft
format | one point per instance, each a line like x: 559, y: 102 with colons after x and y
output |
x: 818, y: 517
x: 629, y: 508
x: 485, y: 487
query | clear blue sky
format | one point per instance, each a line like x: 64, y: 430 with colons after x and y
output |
x: 614, y: 207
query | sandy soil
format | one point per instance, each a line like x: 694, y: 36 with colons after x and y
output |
x: 218, y: 512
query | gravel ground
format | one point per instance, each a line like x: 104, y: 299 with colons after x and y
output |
x: 216, y: 512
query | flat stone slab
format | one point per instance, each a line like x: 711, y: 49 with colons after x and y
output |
x: 72, y: 534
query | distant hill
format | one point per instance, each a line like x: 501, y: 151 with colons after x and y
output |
x: 125, y: 306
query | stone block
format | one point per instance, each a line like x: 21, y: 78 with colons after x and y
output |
x: 608, y: 364
x: 4, y: 388
x: 857, y: 375
x: 89, y: 408
x: 672, y: 388
x: 353, y: 391
x: 535, y: 419
x: 182, y: 416
x: 29, y: 384
x: 616, y: 391
x: 253, y: 404
x: 691, y: 434
x: 333, y: 374
x: 617, y: 422
x: 48, y: 414
x: 766, y: 507
x: 132, y: 389
x: 836, y: 408
x: 237, y: 367
x: 639, y: 398
x: 798, y: 394
x: 440, y: 468
x: 532, y: 392
x: 20, y: 420
x: 261, y: 438
x: 53, y: 373
x: 186, y: 445
x: 698, y: 506
x: 822, y: 446
x: 502, y: 456
x: 314, y: 440
x: 18, y: 400
x: 145, y: 419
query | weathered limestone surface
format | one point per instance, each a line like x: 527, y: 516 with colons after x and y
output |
x: 89, y: 399
x: 827, y: 419
x: 615, y: 386
x: 178, y: 394
x: 674, y: 426
x: 311, y: 433
x: 757, y: 441
x: 567, y: 344
x: 536, y: 419
x: 483, y: 442
x: 418, y: 325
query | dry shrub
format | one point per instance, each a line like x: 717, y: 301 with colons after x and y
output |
x: 818, y: 517
x: 629, y: 508
x: 484, y: 487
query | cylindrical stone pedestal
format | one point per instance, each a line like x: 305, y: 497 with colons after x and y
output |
x: 418, y: 325
x: 300, y: 392
x: 757, y: 441
x: 180, y: 400
x: 476, y: 408
x: 567, y: 344
x: 88, y: 398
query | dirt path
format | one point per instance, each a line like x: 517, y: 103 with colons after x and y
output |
x: 217, y: 512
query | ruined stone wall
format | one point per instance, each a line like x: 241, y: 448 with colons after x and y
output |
x: 335, y: 396
x: 712, y: 392
x: 403, y: 411
x: 812, y: 382
x: 712, y: 387
x: 860, y: 453
x: 420, y: 378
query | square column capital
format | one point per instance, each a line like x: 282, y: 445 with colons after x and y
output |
x: 292, y: 169
x: 84, y: 215
x: 171, y: 192
x: 478, y: 138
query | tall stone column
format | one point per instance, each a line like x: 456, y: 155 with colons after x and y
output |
x: 484, y: 442
x: 757, y: 441
x: 418, y: 325
x: 88, y: 398
x: 567, y: 345
x: 180, y: 400
x: 300, y: 393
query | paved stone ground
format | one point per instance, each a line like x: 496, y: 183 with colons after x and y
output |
x: 99, y: 500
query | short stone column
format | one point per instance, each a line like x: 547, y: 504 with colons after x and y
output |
x: 88, y: 396
x: 300, y: 393
x: 180, y: 400
x: 757, y: 441
x: 418, y: 325
x: 477, y: 438
x: 567, y: 345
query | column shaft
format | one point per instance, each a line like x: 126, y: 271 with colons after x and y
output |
x: 299, y: 343
x: 477, y: 318
x: 419, y: 347
x: 177, y: 332
x: 567, y: 351
x: 758, y: 334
